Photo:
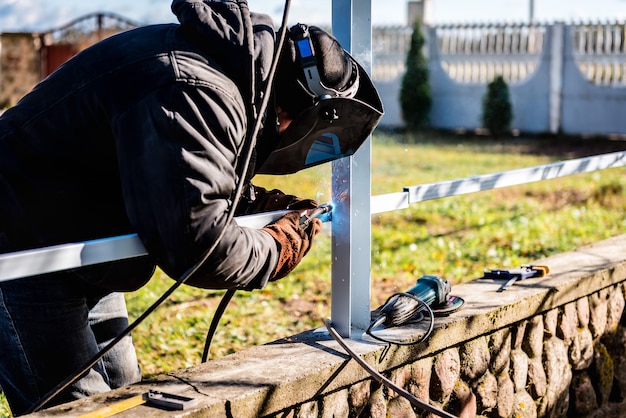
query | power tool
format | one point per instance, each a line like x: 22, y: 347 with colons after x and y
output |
x: 430, y: 296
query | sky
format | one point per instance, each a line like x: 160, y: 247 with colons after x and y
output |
x: 40, y: 15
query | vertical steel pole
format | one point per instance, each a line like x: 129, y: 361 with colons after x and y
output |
x: 556, y: 76
x: 351, y: 189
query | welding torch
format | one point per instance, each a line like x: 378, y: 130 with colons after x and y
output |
x: 322, y: 212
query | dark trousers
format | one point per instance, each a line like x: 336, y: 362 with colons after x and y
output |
x: 50, y: 327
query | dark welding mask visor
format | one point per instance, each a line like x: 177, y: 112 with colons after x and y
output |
x: 333, y: 128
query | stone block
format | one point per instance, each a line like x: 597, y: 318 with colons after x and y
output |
x: 358, y: 397
x: 584, y: 396
x: 474, y: 356
x: 446, y: 372
x: 615, y: 310
x: 399, y: 407
x: 568, y: 322
x: 400, y: 376
x: 559, y: 376
x: 537, y: 381
x: 533, y: 343
x: 524, y: 406
x: 505, y: 396
x: 500, y: 350
x: 581, y: 349
x: 582, y: 306
x: 486, y: 390
x: 377, y: 404
x: 419, y: 383
x: 519, y: 332
x: 598, y: 305
x: 519, y: 369
x: 463, y: 402
x: 550, y: 321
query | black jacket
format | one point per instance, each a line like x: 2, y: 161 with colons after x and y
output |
x: 142, y: 133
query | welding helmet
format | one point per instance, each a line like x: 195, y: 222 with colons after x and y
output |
x: 330, y: 97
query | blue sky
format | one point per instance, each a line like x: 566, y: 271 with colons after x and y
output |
x: 39, y: 15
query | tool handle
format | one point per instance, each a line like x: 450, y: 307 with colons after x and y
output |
x: 318, y: 212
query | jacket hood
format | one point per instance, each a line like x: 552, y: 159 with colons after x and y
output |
x: 241, y: 42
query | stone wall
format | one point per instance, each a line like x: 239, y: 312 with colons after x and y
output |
x: 565, y: 362
x: 547, y: 347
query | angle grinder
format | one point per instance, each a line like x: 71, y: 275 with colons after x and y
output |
x: 408, y: 307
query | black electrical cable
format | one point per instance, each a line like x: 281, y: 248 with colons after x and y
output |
x: 216, y: 319
x: 249, y: 147
x: 383, y: 380
x: 418, y: 316
x: 230, y: 293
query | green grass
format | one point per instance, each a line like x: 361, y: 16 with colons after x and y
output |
x: 455, y: 238
x: 4, y: 407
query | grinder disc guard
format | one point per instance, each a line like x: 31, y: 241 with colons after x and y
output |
x: 453, y: 304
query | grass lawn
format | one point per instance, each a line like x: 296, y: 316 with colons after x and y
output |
x: 455, y: 238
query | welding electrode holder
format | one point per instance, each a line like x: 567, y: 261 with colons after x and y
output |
x: 323, y: 212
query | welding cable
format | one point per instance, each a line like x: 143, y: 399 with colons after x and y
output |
x: 416, y: 317
x: 219, y: 312
x: 247, y: 156
x: 383, y: 380
x: 305, y: 220
x: 217, y: 316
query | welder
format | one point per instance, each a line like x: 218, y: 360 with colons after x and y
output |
x: 146, y: 132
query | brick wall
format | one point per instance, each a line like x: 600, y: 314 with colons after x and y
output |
x: 19, y: 66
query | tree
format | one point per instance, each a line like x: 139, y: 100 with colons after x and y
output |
x: 497, y: 109
x: 415, y: 94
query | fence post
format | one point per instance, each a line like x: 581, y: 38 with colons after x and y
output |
x: 556, y: 76
x: 351, y: 184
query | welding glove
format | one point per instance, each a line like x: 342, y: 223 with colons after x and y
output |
x: 267, y: 201
x: 293, y: 241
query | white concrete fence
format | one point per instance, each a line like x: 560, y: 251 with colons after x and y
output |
x: 563, y: 78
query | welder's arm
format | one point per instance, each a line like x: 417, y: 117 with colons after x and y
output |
x: 294, y: 242
x: 177, y: 153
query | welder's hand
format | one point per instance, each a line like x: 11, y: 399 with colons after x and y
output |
x: 293, y: 241
x: 266, y: 201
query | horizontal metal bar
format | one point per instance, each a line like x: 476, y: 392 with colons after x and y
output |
x: 514, y: 177
x: 389, y: 202
x: 69, y: 256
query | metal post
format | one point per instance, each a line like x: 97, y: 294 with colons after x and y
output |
x: 556, y: 76
x: 351, y: 184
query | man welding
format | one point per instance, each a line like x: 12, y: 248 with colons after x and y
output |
x: 146, y: 132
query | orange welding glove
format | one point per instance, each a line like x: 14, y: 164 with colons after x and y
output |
x: 266, y: 201
x: 293, y: 241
